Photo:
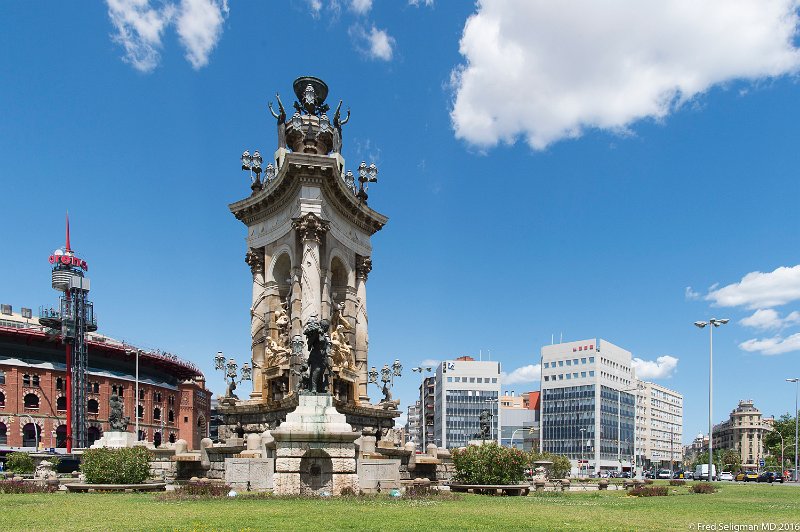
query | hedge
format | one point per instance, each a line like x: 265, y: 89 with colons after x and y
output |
x: 116, y: 466
x: 489, y: 464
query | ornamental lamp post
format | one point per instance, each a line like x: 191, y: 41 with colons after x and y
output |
x: 796, y: 381
x: 700, y: 324
x: 252, y: 164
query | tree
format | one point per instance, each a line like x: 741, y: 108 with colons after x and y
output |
x: 730, y: 460
x: 784, y: 425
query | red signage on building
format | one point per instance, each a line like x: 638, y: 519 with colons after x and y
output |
x: 69, y: 260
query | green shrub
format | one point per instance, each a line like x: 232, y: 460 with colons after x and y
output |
x: 20, y: 463
x: 116, y: 466
x: 489, y: 464
x: 561, y: 464
x: 649, y: 491
x: 677, y: 482
x: 703, y: 487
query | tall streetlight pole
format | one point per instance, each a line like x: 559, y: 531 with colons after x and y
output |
x: 700, y: 324
x: 797, y: 387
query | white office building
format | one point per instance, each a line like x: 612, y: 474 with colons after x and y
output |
x: 588, y: 404
x: 659, y: 426
x: 463, y: 388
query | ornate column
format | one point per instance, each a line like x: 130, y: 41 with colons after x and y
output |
x: 258, y: 316
x: 311, y: 230
x: 363, y: 267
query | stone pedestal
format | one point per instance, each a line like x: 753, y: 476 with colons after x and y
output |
x: 315, y: 450
x: 115, y: 440
x: 249, y: 474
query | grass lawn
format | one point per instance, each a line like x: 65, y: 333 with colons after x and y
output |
x: 607, y: 510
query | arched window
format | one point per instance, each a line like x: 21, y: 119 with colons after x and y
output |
x: 61, y: 404
x: 120, y: 391
x: 93, y: 434
x: 172, y: 437
x: 59, y: 384
x: 92, y: 406
x: 2, y: 377
x: 3, y: 434
x: 31, y: 435
x: 61, y: 436
x: 26, y: 380
x: 141, y: 394
x: 31, y: 400
x: 157, y: 397
x: 171, y: 416
x: 36, y: 380
x: 156, y: 414
x: 142, y: 435
x: 157, y: 439
x: 2, y: 399
x: 96, y: 387
x: 114, y: 390
x: 141, y: 412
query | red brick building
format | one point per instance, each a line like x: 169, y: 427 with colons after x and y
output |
x: 173, y: 401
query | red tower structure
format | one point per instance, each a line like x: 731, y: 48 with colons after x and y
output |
x: 73, y: 319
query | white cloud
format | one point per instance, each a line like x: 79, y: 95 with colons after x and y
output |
x: 139, y: 29
x: 199, y: 26
x: 417, y: 3
x: 767, y: 319
x: 315, y: 6
x: 431, y: 363
x: 690, y: 294
x: 547, y: 71
x: 760, y: 290
x: 772, y: 346
x: 529, y: 373
x: 662, y: 368
x: 361, y: 6
x: 374, y: 43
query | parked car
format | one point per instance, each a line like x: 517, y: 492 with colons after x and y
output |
x: 770, y: 476
x: 664, y: 473
x: 701, y: 472
x: 746, y: 476
x: 626, y: 474
x: 649, y: 474
x: 726, y: 475
x: 679, y: 474
x: 688, y: 475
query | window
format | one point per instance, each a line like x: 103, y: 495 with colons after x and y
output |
x: 560, y: 363
x: 35, y: 380
x: 3, y: 434
x: 31, y: 400
x: 157, y: 397
x: 449, y: 379
x: 575, y: 361
x: 96, y: 387
x: 141, y: 394
x: 121, y: 389
x: 156, y: 414
x: 494, y: 380
x: 171, y: 400
x: 185, y: 419
x: 2, y: 377
x: 591, y: 373
x: 61, y: 404
x: 171, y: 416
x: 59, y: 384
x: 591, y: 360
x: 569, y: 375
x: 583, y: 361
x: 583, y: 373
x: 140, y: 409
x: 546, y: 365
x: 472, y: 379
x: 546, y: 378
x: 569, y: 362
x: 561, y: 376
x: 26, y: 380
x: 2, y: 399
x: 114, y: 390
x: 574, y: 375
x: 92, y: 406
x: 480, y: 380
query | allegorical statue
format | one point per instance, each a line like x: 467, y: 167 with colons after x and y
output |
x: 117, y: 421
x: 341, y: 351
x: 281, y: 117
x: 485, y: 424
x: 337, y: 127
x: 316, y: 333
x: 308, y: 103
x: 275, y: 353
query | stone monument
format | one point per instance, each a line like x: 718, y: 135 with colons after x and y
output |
x: 308, y: 247
x: 118, y: 436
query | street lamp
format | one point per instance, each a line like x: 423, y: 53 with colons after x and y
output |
x: 495, y: 402
x: 230, y: 370
x: 700, y: 324
x: 797, y: 387
x: 388, y: 373
x: 366, y: 175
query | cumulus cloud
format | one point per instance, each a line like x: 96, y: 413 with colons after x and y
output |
x: 767, y: 319
x: 776, y: 345
x: 430, y: 363
x: 140, y: 27
x: 361, y: 6
x: 661, y: 368
x: 417, y: 3
x: 547, y: 71
x: 199, y: 26
x: 690, y: 294
x: 315, y: 6
x: 529, y: 373
x: 760, y: 290
x: 372, y: 42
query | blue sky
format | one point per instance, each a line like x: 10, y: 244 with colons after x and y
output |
x: 547, y: 169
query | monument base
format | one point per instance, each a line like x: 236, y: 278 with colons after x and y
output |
x: 115, y: 440
x: 315, y: 450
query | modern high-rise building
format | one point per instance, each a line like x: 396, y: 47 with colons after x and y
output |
x: 414, y: 423
x: 465, y: 387
x: 659, y: 426
x: 588, y: 404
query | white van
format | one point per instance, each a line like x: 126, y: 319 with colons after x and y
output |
x: 701, y: 472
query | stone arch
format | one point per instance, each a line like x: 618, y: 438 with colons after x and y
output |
x: 92, y: 406
x: 61, y: 403
x: 280, y: 267
x: 93, y: 433
x: 60, y: 433
x: 31, y: 400
x: 31, y: 433
x: 316, y: 473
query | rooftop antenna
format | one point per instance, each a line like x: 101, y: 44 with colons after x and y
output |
x: 552, y: 339
x: 561, y: 338
x: 490, y: 353
x: 480, y: 354
x: 68, y: 249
